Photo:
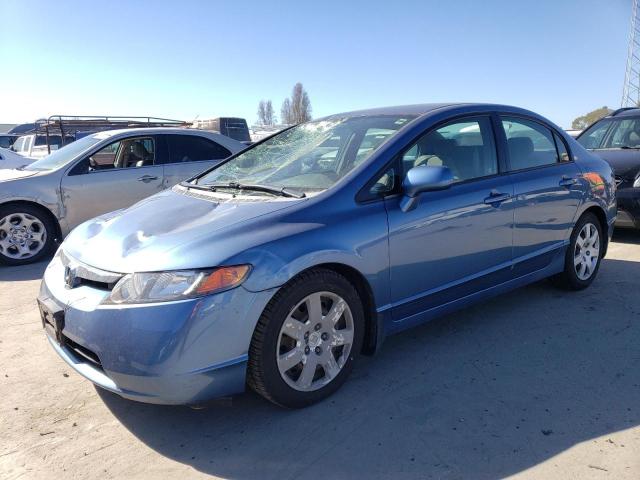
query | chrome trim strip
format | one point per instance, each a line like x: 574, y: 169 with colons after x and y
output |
x: 87, y: 272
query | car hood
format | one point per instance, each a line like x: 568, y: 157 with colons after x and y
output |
x: 624, y: 162
x: 13, y: 174
x: 171, y: 230
x: 11, y: 160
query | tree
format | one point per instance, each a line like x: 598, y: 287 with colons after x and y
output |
x: 286, y: 115
x: 262, y: 113
x: 296, y: 109
x: 584, y: 121
x: 269, y: 117
x: 265, y: 113
x: 300, y: 104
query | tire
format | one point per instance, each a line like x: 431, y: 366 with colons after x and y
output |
x: 296, y: 371
x: 575, y: 277
x: 27, y: 234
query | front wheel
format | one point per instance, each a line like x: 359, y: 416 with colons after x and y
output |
x: 26, y: 234
x: 306, y: 340
x: 584, y: 254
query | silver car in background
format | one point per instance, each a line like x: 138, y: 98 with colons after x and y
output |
x: 10, y: 159
x: 42, y: 202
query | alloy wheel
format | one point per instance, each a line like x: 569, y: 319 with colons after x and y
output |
x: 22, y: 236
x: 315, y: 341
x: 587, y: 251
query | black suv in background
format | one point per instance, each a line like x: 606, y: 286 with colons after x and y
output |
x: 616, y: 138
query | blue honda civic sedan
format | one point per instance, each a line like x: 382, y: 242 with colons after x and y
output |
x: 279, y: 267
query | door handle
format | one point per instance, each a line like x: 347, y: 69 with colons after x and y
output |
x: 147, y: 178
x: 496, y: 198
x: 568, y: 181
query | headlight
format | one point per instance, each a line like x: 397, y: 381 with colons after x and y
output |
x: 636, y: 184
x: 175, y: 285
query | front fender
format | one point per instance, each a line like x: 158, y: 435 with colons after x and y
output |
x: 281, y: 270
x: 41, y: 190
x: 356, y: 240
x: 53, y: 207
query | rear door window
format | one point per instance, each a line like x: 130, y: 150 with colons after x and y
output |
x: 530, y: 144
x: 192, y: 148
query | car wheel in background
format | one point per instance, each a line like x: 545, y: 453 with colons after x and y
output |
x: 26, y: 234
x: 584, y: 254
x: 306, y: 340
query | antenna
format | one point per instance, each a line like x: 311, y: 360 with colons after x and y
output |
x: 631, y: 90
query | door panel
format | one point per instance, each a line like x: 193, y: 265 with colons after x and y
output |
x: 547, y: 192
x: 91, y: 194
x: 544, y: 214
x: 453, y: 238
x: 456, y: 241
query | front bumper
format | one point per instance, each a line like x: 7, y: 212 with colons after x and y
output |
x: 628, y: 207
x: 183, y: 352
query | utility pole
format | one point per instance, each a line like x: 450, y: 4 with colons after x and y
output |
x: 631, y: 90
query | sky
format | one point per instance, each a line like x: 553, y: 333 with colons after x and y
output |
x: 204, y: 59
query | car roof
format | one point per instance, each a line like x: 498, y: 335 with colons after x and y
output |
x: 230, y: 143
x: 425, y: 109
x: 417, y: 109
x: 627, y: 112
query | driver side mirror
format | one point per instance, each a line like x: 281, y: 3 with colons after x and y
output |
x: 423, y: 179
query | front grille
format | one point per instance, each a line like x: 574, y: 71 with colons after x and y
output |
x: 82, y: 353
x: 78, y: 274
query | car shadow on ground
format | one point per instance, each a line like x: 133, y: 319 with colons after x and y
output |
x: 483, y: 393
x: 22, y: 273
x: 626, y: 235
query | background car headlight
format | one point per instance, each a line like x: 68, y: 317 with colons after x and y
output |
x: 175, y: 285
x: 636, y: 184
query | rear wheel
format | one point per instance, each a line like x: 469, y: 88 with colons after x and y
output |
x: 584, y: 254
x: 306, y: 340
x: 26, y: 234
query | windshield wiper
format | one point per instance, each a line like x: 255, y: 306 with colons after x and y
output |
x: 627, y: 147
x: 281, y: 191
x: 207, y: 188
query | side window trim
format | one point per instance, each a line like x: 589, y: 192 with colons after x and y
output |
x: 558, y: 138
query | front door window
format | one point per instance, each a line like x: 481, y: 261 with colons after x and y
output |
x: 466, y: 147
x: 128, y: 153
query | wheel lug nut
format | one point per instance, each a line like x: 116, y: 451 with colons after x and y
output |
x: 306, y: 350
x: 325, y: 336
x: 318, y: 350
x: 318, y: 327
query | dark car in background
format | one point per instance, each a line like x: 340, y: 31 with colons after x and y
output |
x: 616, y: 139
x: 232, y: 127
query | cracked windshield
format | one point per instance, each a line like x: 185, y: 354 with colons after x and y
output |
x: 310, y: 157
